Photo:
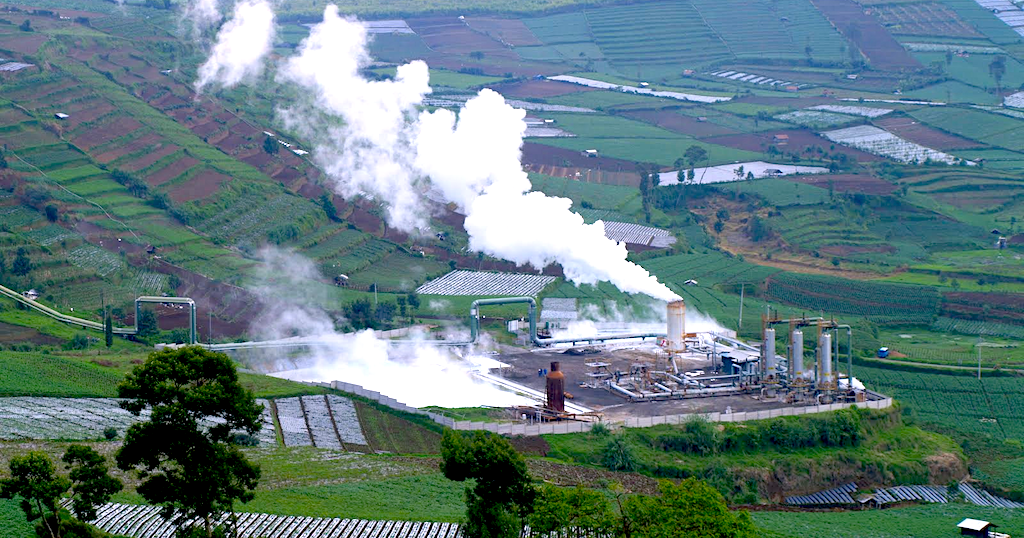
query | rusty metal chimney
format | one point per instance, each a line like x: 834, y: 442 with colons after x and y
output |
x: 556, y: 389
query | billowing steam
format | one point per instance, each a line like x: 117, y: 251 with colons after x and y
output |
x: 416, y: 372
x: 594, y: 321
x: 241, y: 46
x: 202, y: 13
x: 372, y: 140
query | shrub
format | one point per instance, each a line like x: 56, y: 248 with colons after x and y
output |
x: 110, y: 433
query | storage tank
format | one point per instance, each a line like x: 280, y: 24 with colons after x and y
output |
x: 769, y: 350
x: 797, y: 360
x: 825, y: 356
x: 556, y: 388
x: 676, y: 327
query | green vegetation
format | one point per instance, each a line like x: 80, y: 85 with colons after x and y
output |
x: 791, y: 447
x: 930, y: 521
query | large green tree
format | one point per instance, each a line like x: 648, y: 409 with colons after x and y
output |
x: 689, y: 509
x: 34, y: 480
x: 502, y: 493
x: 183, y: 453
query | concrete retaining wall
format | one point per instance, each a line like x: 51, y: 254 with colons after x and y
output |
x: 579, y: 427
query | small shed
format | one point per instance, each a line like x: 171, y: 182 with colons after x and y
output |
x: 61, y: 116
x: 590, y: 153
x: 772, y: 172
x: 975, y: 527
x: 780, y: 139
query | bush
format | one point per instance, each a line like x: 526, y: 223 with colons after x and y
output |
x: 618, y: 455
x: 110, y: 433
x: 80, y: 341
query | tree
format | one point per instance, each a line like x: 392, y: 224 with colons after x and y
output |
x: 328, y: 205
x: 147, y: 324
x: 22, y: 265
x: 502, y: 494
x: 270, y: 145
x: 648, y: 182
x: 3, y: 162
x: 188, y: 467
x: 690, y: 509
x: 3, y: 264
x: 401, y: 305
x: 91, y: 483
x: 25, y: 26
x: 34, y: 478
x: 51, y: 213
x: 563, y: 510
x: 997, y: 68
x: 414, y: 301
x: 695, y: 154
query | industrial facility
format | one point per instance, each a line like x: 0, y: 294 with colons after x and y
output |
x: 647, y: 374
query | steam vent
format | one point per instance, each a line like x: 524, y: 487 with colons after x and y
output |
x: 556, y: 388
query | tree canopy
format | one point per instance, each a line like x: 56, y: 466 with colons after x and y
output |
x: 502, y: 494
x: 184, y: 452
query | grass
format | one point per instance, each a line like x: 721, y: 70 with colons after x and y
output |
x: 35, y: 374
x: 930, y: 521
x: 12, y: 520
x: 387, y: 432
x: 416, y: 498
x: 886, y: 443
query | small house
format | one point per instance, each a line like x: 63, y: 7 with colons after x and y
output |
x: 341, y: 280
x: 780, y: 139
x: 852, y: 76
x: 773, y: 172
x: 645, y: 84
x: 590, y: 153
x: 883, y: 352
x: 61, y: 116
x: 975, y: 527
x: 31, y: 295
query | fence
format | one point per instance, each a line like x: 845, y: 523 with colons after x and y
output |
x: 580, y: 427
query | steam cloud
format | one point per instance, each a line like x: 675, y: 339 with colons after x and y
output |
x: 417, y: 372
x: 241, y: 46
x: 202, y: 13
x: 372, y: 140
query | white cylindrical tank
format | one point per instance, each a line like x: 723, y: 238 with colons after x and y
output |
x: 797, y: 354
x: 825, y: 357
x: 674, y: 342
x: 769, y: 350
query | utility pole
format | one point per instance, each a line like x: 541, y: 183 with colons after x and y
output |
x: 743, y: 286
x: 979, y: 359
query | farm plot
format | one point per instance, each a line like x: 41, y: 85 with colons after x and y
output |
x: 918, y: 133
x: 880, y: 142
x: 681, y: 96
x: 772, y: 29
x: 139, y: 521
x: 62, y: 418
x: 867, y: 34
x: 91, y: 257
x: 815, y: 119
x: 879, y: 301
x: 669, y: 34
x: 510, y: 32
x: 486, y: 284
x: 996, y: 130
x: 293, y: 422
x: 325, y: 421
x: 1006, y: 11
x: 925, y: 19
x: 636, y: 234
x: 865, y: 111
x: 726, y: 173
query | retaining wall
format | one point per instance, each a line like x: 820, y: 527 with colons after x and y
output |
x: 579, y: 427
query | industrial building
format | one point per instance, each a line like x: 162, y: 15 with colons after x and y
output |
x: 797, y: 363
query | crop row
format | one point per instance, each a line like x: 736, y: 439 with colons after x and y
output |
x: 476, y: 283
x: 145, y: 522
x: 830, y: 294
x: 980, y: 328
x: 322, y: 421
x: 988, y: 406
x: 879, y: 142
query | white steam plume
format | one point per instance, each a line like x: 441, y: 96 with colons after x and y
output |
x: 242, y: 44
x: 415, y: 372
x: 202, y: 13
x: 383, y: 148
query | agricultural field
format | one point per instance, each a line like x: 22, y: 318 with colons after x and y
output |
x: 881, y: 142
x: 486, y: 284
x: 882, y: 303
